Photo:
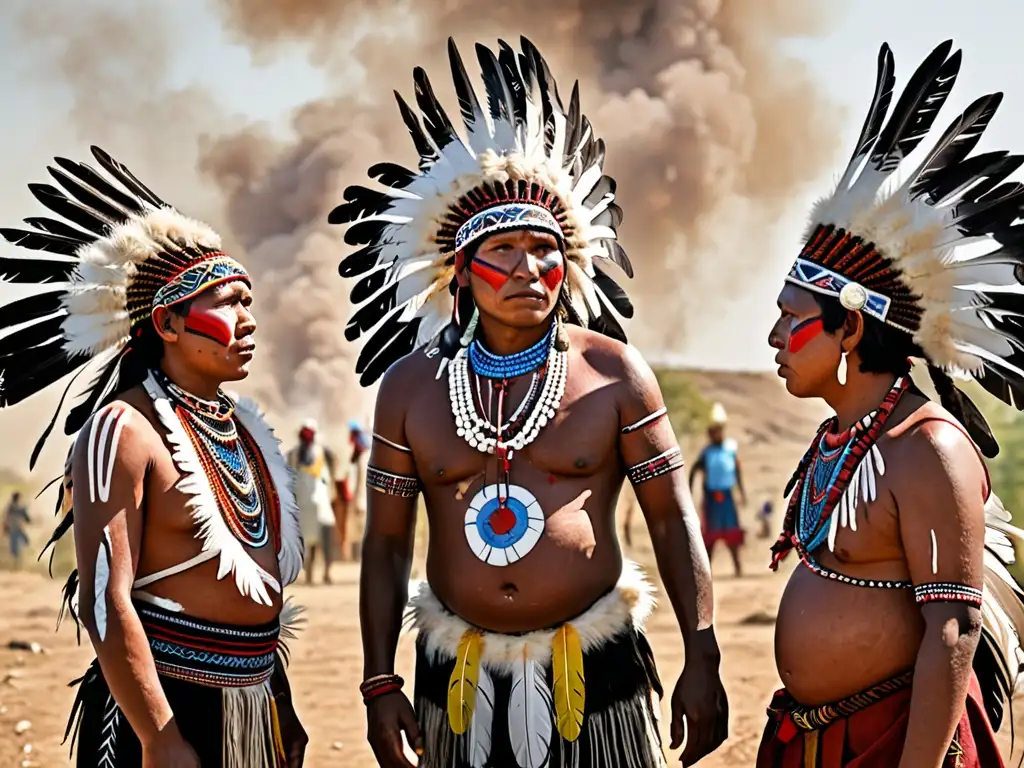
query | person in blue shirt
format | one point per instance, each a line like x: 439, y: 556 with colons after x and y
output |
x: 720, y: 464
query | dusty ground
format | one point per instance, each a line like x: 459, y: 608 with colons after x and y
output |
x: 326, y: 663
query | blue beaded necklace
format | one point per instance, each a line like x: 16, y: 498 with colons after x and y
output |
x: 492, y: 366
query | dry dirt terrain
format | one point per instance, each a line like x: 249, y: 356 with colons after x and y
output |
x: 326, y: 659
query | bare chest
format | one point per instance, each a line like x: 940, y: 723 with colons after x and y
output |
x: 850, y: 518
x: 579, y: 440
x: 205, y: 509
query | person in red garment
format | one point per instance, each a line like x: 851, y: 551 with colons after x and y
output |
x: 897, y: 639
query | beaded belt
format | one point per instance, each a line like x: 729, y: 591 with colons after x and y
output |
x: 793, y: 717
x: 205, y: 653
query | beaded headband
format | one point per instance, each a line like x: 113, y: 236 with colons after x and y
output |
x: 198, y: 278
x: 505, y: 217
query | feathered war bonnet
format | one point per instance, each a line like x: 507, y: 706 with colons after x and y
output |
x: 893, y: 249
x: 527, y: 163
x: 117, y: 256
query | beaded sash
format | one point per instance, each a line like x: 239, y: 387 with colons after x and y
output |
x: 206, y: 653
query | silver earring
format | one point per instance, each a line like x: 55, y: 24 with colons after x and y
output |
x: 841, y: 372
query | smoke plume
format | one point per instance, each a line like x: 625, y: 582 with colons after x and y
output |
x: 710, y: 130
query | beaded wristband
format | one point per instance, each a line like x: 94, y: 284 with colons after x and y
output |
x: 380, y: 685
x: 947, y: 591
x: 662, y: 464
x: 392, y: 484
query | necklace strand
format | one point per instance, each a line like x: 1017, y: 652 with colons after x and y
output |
x: 826, y: 471
x: 228, y: 456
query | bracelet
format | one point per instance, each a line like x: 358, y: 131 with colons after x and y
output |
x: 662, y: 464
x: 380, y: 685
x: 392, y: 484
x: 950, y: 592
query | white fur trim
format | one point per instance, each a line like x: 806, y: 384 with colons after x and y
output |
x: 630, y: 603
x: 250, y: 578
x: 290, y: 557
x: 97, y: 299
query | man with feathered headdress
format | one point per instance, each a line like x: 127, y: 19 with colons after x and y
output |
x: 185, y: 525
x: 897, y: 638
x: 511, y: 401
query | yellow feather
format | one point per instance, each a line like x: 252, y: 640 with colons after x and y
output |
x: 570, y: 688
x: 462, y: 685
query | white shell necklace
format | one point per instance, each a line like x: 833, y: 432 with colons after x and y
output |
x: 477, y: 429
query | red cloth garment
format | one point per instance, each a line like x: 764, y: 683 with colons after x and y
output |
x: 733, y: 538
x: 872, y: 736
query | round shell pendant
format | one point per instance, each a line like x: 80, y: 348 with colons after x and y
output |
x: 853, y: 297
x: 501, y: 530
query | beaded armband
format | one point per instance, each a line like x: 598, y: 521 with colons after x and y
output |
x: 947, y: 591
x: 380, y: 685
x: 392, y: 484
x: 662, y: 464
x: 645, y: 421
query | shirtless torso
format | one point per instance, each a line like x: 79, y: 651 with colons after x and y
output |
x: 575, y: 468
x: 164, y: 528
x: 882, y: 628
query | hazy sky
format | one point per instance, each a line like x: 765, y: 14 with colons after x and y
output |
x: 36, y: 104
x: 35, y: 107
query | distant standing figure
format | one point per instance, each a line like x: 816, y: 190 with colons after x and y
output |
x: 315, y: 465
x: 764, y: 517
x: 360, y: 442
x: 720, y: 464
x: 15, y: 520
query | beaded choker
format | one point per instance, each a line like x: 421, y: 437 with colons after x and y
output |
x: 473, y: 417
x: 492, y: 366
x: 231, y: 460
x: 838, y: 471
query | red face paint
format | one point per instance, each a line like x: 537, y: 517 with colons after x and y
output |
x: 803, y: 333
x: 210, y: 324
x: 494, y: 276
x: 552, y: 270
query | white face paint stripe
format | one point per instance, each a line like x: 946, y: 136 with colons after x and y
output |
x: 101, y: 578
x: 935, y: 553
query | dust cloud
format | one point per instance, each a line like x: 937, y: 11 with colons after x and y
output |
x: 711, y: 128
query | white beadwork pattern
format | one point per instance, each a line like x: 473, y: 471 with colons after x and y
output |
x: 477, y: 430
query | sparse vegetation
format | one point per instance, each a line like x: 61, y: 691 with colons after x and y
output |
x: 687, y: 408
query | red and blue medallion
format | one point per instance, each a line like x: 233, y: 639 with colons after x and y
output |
x: 503, y: 523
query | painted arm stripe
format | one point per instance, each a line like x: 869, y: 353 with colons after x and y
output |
x: 102, y: 452
x: 651, y: 417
